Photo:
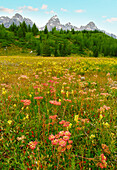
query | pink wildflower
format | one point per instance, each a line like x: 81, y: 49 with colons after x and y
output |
x: 66, y: 124
x: 62, y: 122
x: 51, y: 137
x: 38, y: 97
x: 69, y: 147
x: 54, y: 102
x: 32, y: 144
x: 53, y: 117
x: 61, y: 133
x: 65, y: 138
x: 70, y: 141
x: 26, y: 102
x: 67, y: 133
x: 55, y: 142
x: 62, y: 143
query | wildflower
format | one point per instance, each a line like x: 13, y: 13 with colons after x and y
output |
x: 69, y: 147
x: 100, y: 117
x: 102, y: 164
x: 57, y: 136
x: 55, y: 142
x: 30, y: 95
x: 9, y: 122
x: 53, y: 117
x: 92, y: 136
x: 62, y: 122
x: 27, y: 108
x: 26, y: 102
x: 32, y: 144
x: 54, y: 102
x: 39, y: 97
x: 70, y: 125
x: 67, y: 133
x: 106, y: 124
x: 62, y: 143
x: 105, y: 148
x: 59, y: 100
x: 76, y: 118
x: 21, y: 138
x: 61, y: 133
x: 23, y: 77
x: 51, y: 137
x: 14, y: 105
x: 70, y: 141
x: 65, y: 138
x: 66, y: 124
x: 67, y: 93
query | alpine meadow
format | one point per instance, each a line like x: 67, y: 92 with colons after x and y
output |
x: 58, y: 96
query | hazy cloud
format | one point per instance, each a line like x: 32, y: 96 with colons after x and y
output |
x: 50, y: 12
x: 104, y: 16
x: 79, y: 11
x: 111, y: 20
x: 64, y: 10
x: 28, y: 8
x: 6, y: 10
x: 44, y: 6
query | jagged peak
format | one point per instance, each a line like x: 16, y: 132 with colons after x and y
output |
x: 17, y: 15
x: 69, y: 23
x: 91, y: 23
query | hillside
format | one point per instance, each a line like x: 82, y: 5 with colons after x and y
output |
x: 25, y: 39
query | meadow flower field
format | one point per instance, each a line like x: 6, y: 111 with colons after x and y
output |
x: 58, y: 113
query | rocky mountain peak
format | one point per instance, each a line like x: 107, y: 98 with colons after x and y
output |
x: 54, y: 20
x: 91, y: 25
x: 16, y: 19
x: 68, y: 24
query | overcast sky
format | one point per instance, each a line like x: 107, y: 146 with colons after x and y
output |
x: 79, y: 12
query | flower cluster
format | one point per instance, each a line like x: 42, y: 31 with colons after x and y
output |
x: 65, y: 123
x: 105, y: 148
x: 61, y: 140
x: 26, y: 102
x: 54, y: 102
x: 32, y: 144
x: 102, y: 164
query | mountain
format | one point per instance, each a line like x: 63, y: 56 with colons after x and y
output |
x: 17, y: 19
x: 90, y: 27
x: 55, y: 22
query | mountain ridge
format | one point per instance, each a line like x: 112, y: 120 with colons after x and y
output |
x: 52, y: 22
x: 16, y: 19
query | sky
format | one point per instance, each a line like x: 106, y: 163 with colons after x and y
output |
x: 79, y: 12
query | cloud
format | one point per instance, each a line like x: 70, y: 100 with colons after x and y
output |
x: 104, y: 16
x: 64, y: 10
x: 44, y: 6
x: 112, y: 20
x: 50, y: 12
x: 6, y: 10
x: 28, y: 8
x: 79, y: 11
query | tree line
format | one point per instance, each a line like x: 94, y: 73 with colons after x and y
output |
x: 58, y: 43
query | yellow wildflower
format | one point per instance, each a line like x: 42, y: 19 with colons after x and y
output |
x: 76, y: 118
x: 9, y: 122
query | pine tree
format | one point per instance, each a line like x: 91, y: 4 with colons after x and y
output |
x: 34, y: 29
x: 46, y: 30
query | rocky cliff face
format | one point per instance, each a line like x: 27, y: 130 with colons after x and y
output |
x: 17, y: 19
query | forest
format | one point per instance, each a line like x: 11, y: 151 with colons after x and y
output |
x: 58, y: 43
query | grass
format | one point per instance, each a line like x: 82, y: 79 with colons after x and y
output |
x: 58, y: 113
